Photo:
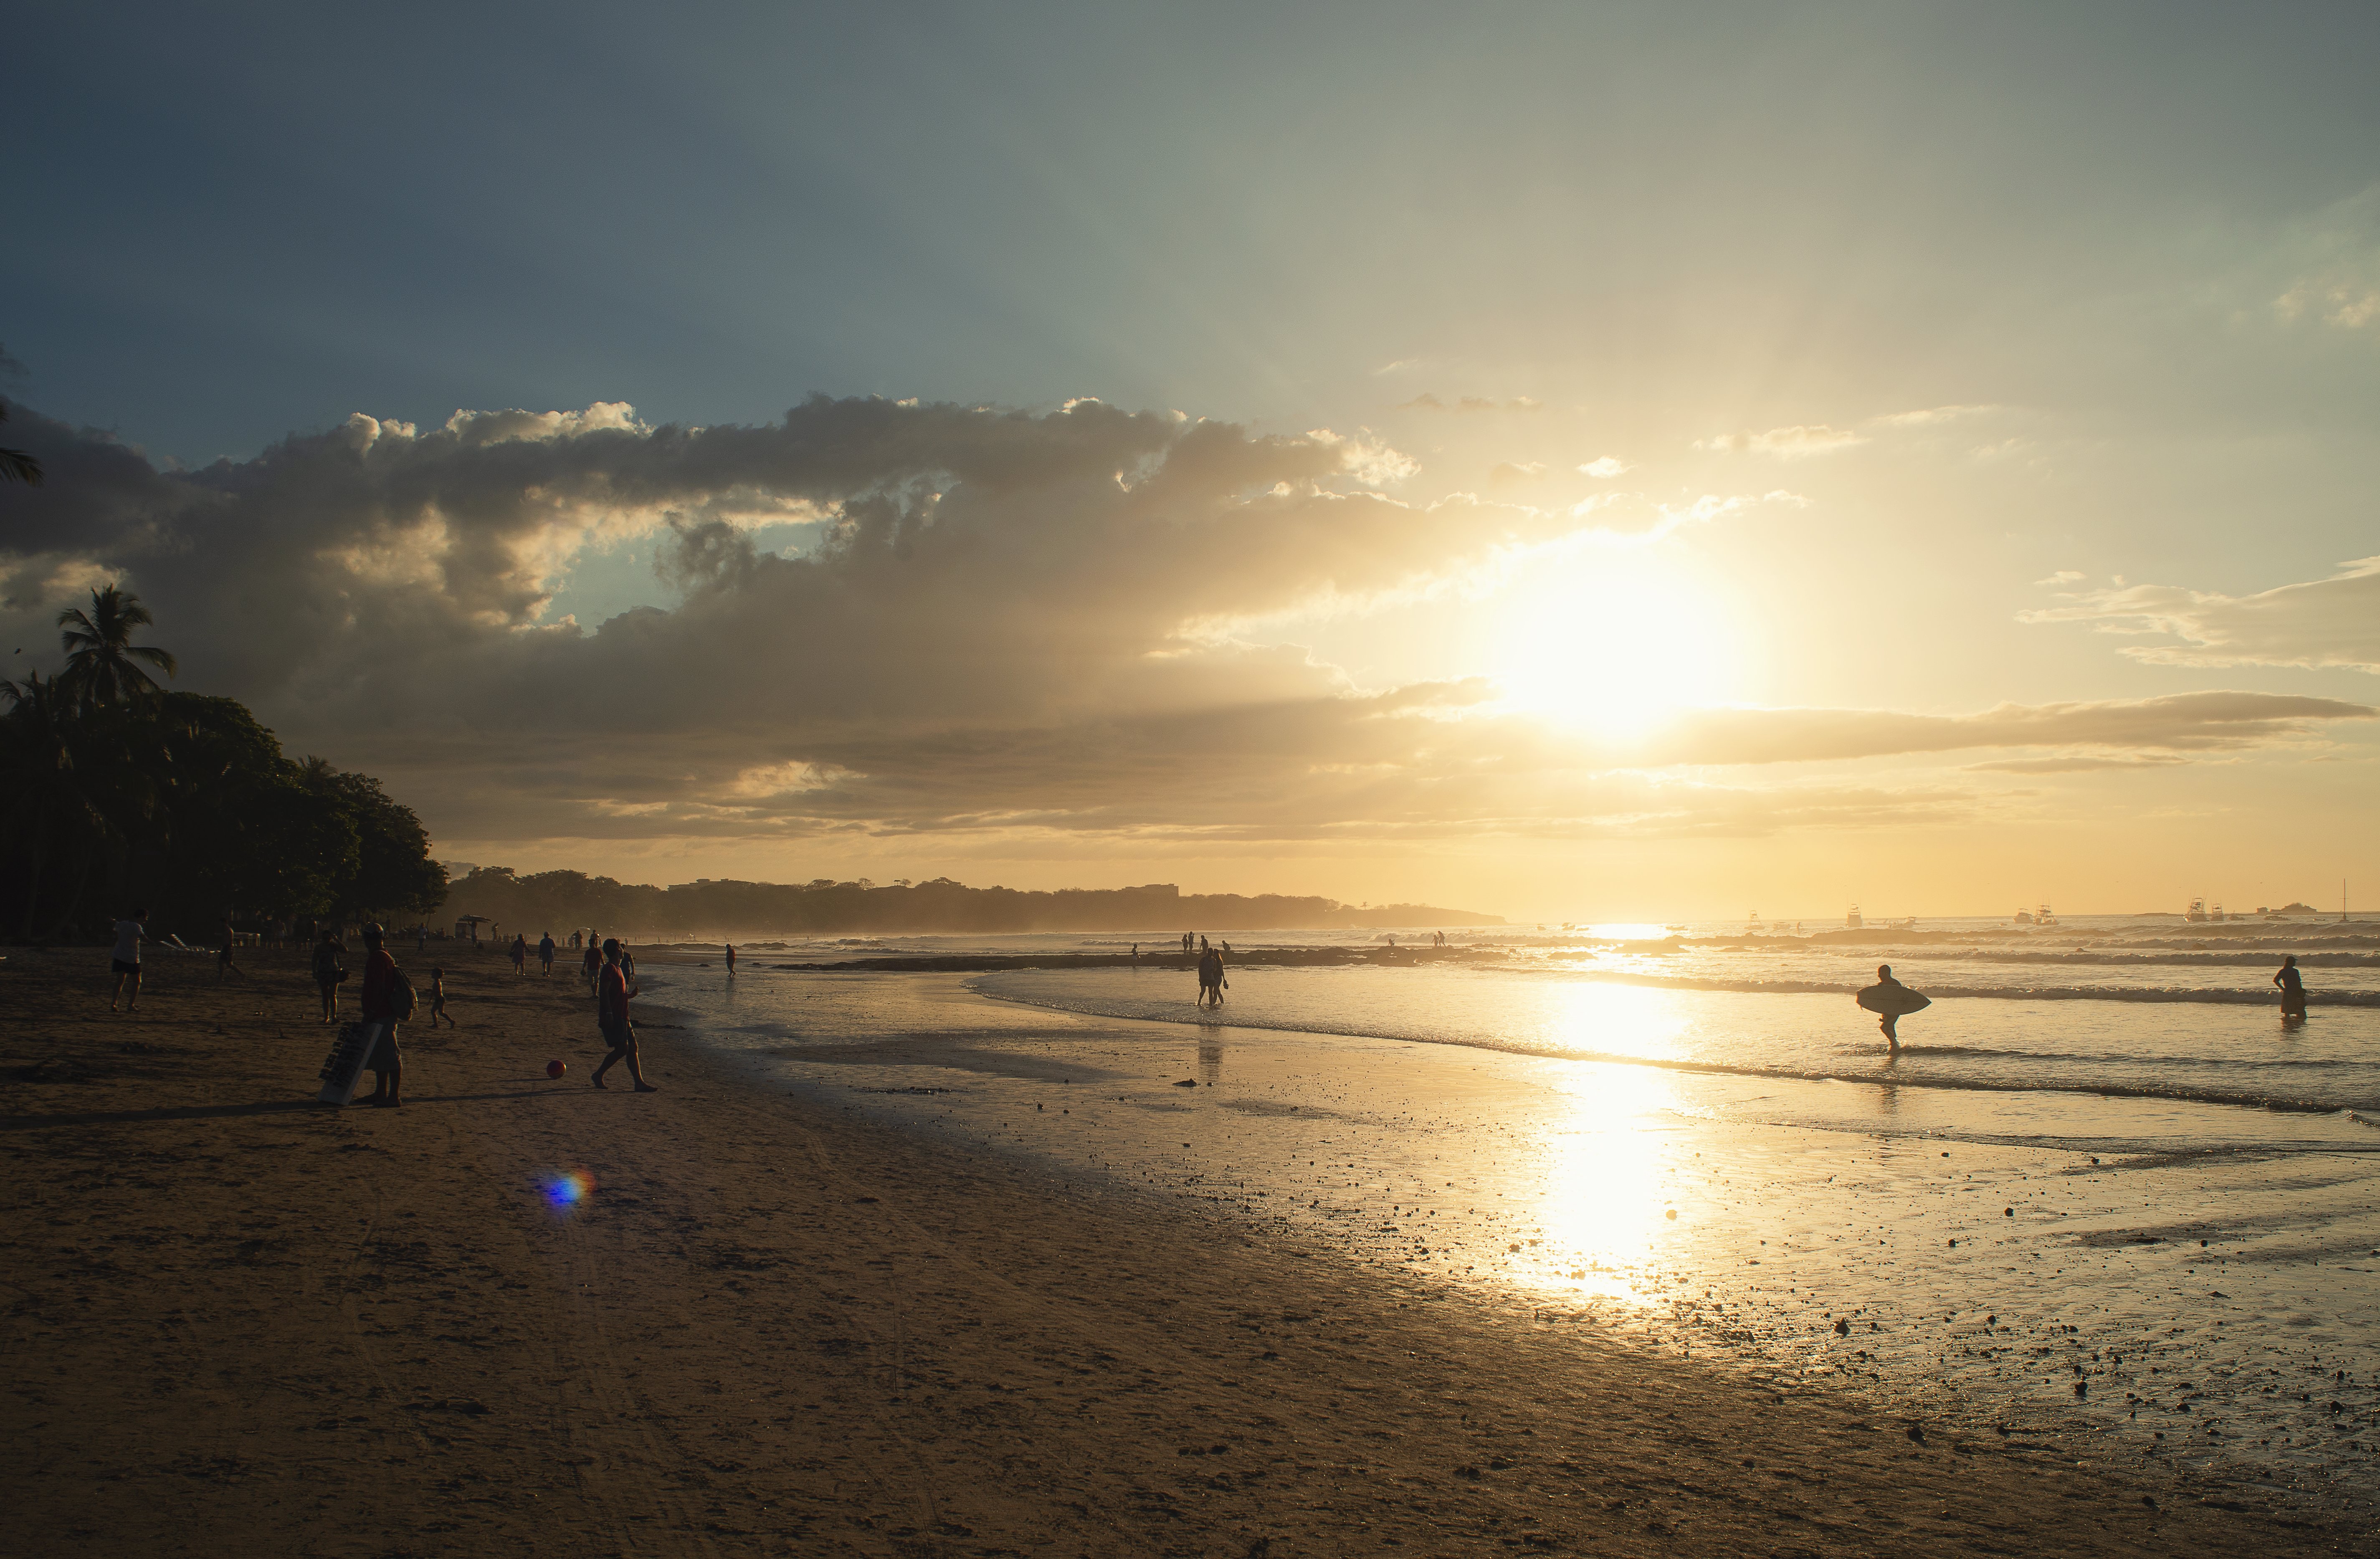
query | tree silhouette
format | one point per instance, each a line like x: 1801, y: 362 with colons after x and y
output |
x: 104, y: 666
x: 16, y: 466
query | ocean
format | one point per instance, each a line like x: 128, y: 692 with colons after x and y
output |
x: 2104, y: 1187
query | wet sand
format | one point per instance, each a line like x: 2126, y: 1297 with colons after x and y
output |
x: 238, y: 1321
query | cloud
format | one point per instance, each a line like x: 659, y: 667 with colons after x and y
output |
x: 2323, y: 622
x: 2063, y: 576
x: 2176, y: 724
x: 1606, y: 466
x: 1020, y: 627
x: 1427, y: 402
x: 1931, y: 415
x: 2333, y: 260
x: 1516, y: 473
x: 1786, y: 444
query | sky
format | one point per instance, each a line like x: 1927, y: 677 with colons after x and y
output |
x: 1566, y: 461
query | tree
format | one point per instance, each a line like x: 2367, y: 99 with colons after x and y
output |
x: 16, y: 466
x: 39, y: 743
x: 104, y: 666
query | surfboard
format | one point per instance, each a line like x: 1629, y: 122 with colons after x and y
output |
x: 343, y: 1070
x: 1898, y: 1001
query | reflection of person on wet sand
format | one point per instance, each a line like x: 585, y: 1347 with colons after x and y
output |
x: 1890, y: 1001
x: 1211, y: 979
x: 2293, y: 985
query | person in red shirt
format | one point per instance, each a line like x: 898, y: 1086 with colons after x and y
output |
x: 613, y: 989
x: 379, y: 1014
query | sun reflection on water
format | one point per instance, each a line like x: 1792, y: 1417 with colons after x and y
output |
x: 1640, y: 1021
x: 1606, y: 1214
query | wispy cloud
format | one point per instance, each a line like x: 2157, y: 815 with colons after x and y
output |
x: 2323, y: 622
x: 1605, y: 468
x: 1427, y: 402
x: 1797, y: 442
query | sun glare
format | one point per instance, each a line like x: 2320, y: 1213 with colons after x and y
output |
x: 1613, y: 650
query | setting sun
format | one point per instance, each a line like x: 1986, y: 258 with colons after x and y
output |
x: 1613, y: 650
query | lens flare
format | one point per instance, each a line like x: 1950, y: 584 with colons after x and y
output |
x: 567, y: 1188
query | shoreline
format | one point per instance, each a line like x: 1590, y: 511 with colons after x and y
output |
x: 775, y: 1327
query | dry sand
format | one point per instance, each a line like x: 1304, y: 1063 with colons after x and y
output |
x: 240, y: 1322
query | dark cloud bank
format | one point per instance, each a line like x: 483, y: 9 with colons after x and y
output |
x: 1016, y: 624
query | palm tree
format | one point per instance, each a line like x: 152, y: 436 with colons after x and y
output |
x: 101, y: 656
x: 16, y: 466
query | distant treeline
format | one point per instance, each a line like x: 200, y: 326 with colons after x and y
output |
x: 558, y: 901
x: 116, y: 794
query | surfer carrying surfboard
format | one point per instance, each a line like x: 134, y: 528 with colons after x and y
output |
x: 1890, y: 1001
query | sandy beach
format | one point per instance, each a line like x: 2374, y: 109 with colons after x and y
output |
x: 242, y: 1322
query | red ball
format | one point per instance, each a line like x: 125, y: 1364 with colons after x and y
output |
x: 555, y: 1068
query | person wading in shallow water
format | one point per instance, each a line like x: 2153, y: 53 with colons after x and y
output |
x: 613, y: 989
x: 2293, y: 985
x: 1210, y: 978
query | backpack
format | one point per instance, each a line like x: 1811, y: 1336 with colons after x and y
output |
x: 402, y: 1002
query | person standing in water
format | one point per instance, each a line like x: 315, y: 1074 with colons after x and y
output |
x: 2293, y: 985
x: 1210, y: 978
x: 731, y: 959
x: 613, y: 990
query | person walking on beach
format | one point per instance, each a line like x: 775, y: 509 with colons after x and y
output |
x: 382, y: 998
x: 592, y: 962
x: 438, y: 1000
x: 520, y: 953
x: 613, y: 990
x: 421, y: 939
x: 731, y: 959
x: 124, y: 964
x: 330, y: 968
x: 223, y: 964
x: 2293, y: 985
x: 545, y: 953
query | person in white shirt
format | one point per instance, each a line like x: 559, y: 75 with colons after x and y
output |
x: 125, y: 963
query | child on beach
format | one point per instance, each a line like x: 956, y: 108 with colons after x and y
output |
x: 330, y: 968
x: 438, y: 1000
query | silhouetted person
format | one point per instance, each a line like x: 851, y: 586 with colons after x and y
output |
x: 1203, y: 948
x: 421, y: 939
x: 1890, y: 1001
x: 545, y: 953
x: 731, y: 959
x: 613, y: 989
x: 438, y: 1000
x: 2293, y: 985
x: 592, y: 962
x: 1210, y: 978
x: 379, y: 1002
x: 124, y: 962
x: 330, y: 969
x: 520, y: 953
x: 223, y: 964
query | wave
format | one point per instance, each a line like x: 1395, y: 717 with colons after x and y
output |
x: 2218, y: 995
x: 2175, y: 1090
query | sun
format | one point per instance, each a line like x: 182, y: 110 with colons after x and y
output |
x: 1613, y: 649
